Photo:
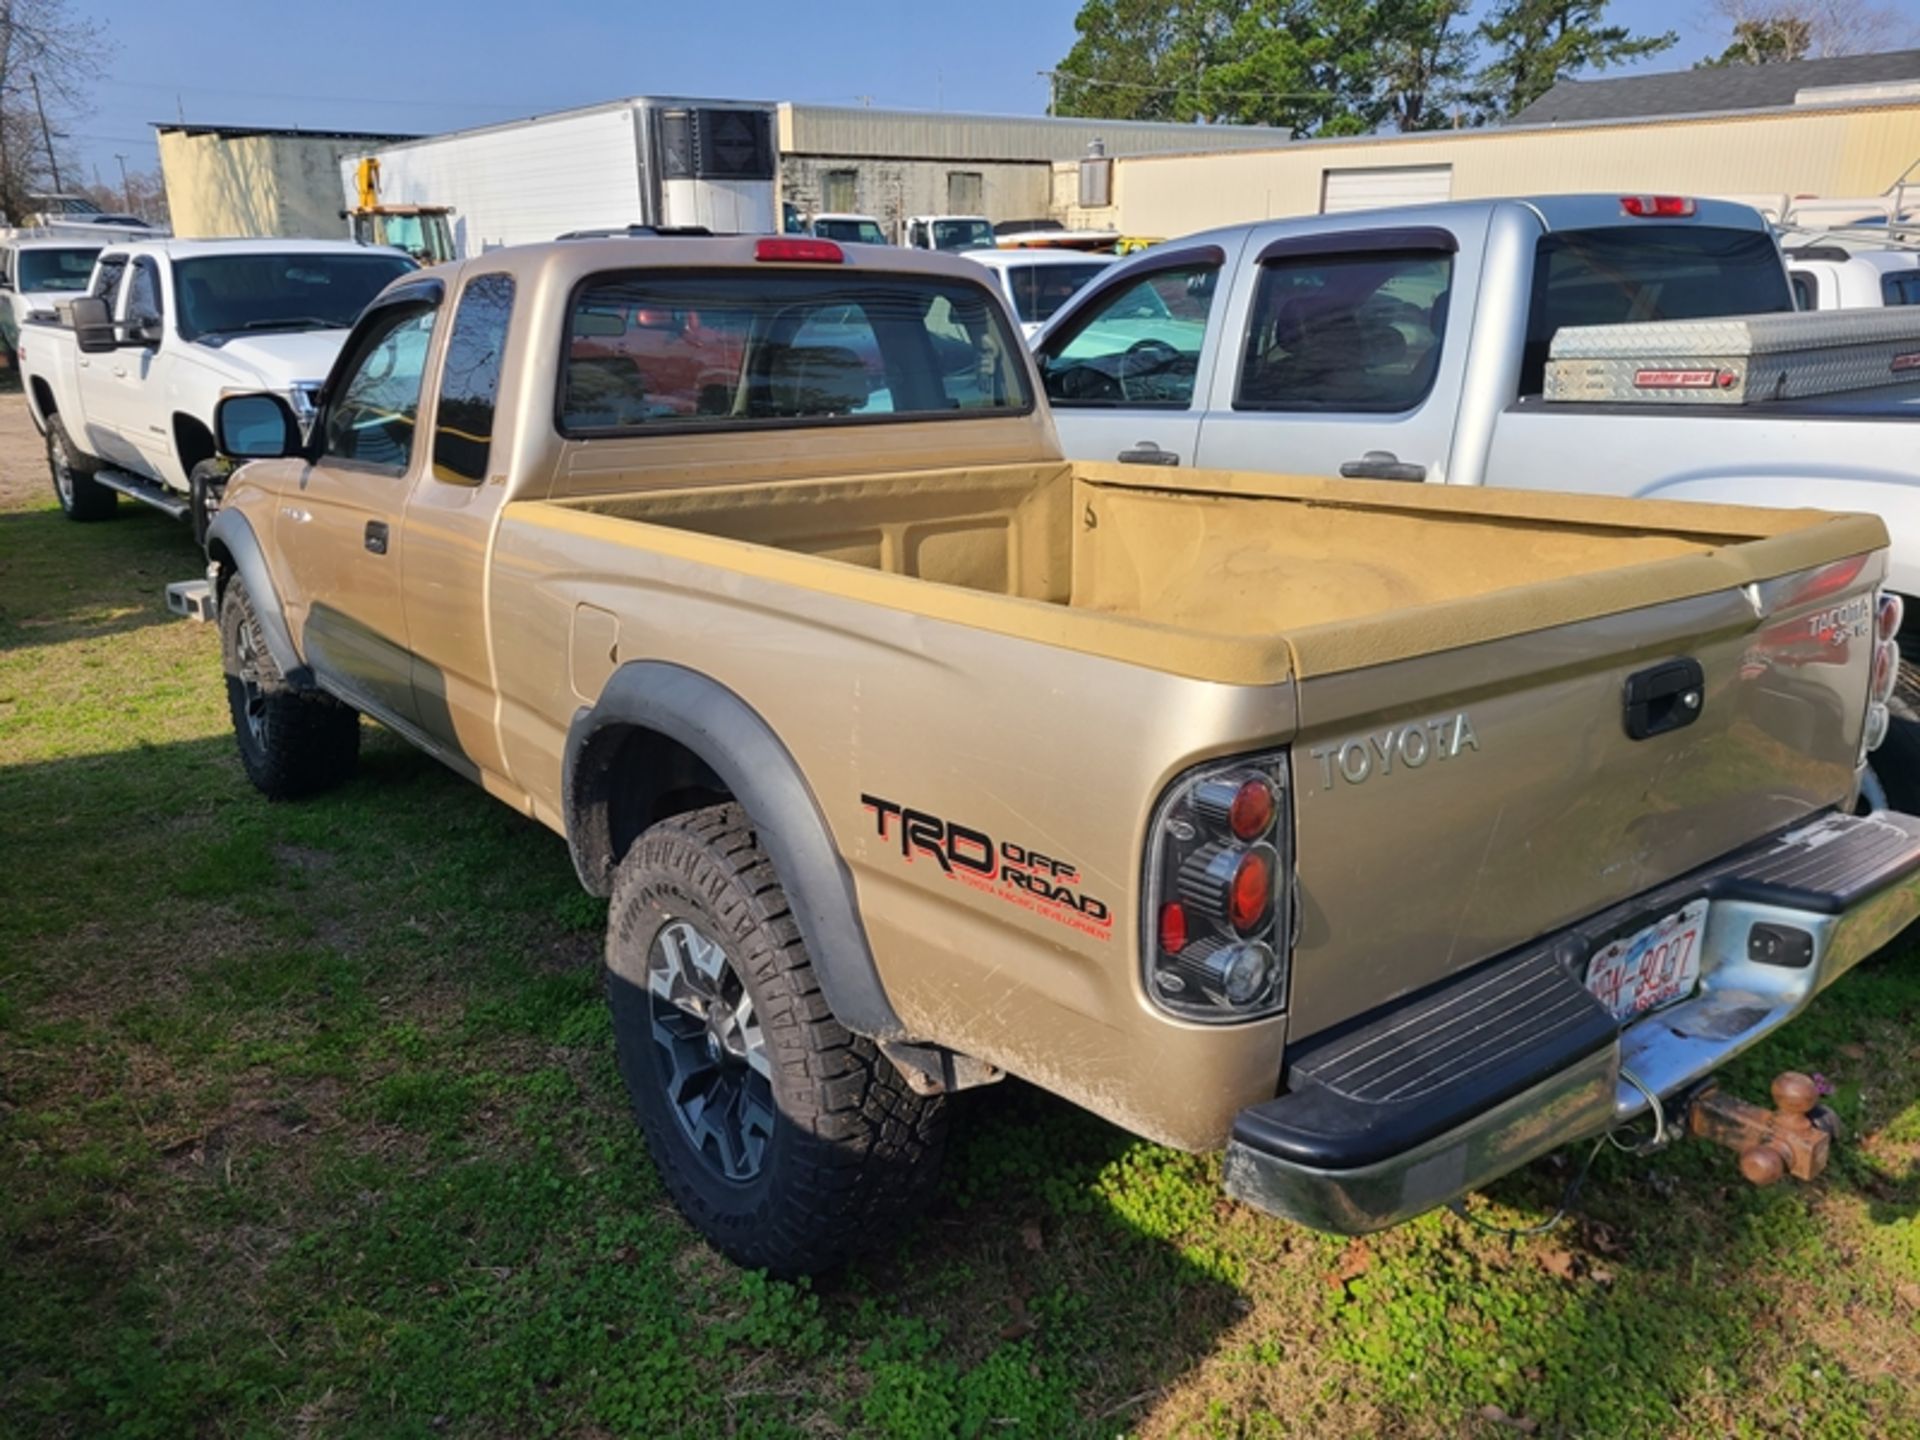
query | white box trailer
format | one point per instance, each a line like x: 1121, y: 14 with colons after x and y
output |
x: 666, y: 162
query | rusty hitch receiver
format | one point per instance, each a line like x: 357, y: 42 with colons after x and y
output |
x: 1792, y: 1139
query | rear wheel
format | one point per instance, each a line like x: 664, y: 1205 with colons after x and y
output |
x: 292, y: 742
x: 788, y: 1141
x: 81, y: 496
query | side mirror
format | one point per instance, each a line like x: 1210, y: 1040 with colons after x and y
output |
x: 255, y: 427
x: 93, y: 326
x: 146, y: 332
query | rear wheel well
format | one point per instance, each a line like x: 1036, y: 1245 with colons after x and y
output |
x: 627, y: 779
x: 43, y: 398
x: 192, y: 442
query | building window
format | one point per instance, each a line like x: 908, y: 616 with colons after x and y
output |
x: 840, y: 192
x: 966, y: 193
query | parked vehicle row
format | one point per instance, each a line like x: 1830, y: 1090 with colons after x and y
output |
x: 123, y: 379
x: 1383, y: 837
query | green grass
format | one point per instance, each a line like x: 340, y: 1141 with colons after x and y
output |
x: 309, y: 1123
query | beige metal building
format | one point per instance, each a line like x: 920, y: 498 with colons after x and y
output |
x: 891, y: 164
x: 257, y: 180
x: 1819, y: 146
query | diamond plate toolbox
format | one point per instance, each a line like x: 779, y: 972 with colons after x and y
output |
x: 1738, y: 360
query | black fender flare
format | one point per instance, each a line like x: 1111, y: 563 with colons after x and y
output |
x: 715, y: 724
x: 230, y: 532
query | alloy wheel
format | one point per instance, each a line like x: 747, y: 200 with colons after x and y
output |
x: 711, y: 1050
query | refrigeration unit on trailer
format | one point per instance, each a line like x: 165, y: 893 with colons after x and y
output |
x: 667, y: 163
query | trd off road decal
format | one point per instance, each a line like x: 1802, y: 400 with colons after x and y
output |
x: 1009, y: 872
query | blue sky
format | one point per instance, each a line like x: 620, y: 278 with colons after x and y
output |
x: 429, y: 65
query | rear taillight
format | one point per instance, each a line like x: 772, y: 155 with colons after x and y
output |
x: 1218, y: 898
x: 1888, y: 613
x: 799, y: 248
x: 1648, y: 207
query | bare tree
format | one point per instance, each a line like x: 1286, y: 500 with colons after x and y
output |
x: 44, y: 45
x: 1763, y: 31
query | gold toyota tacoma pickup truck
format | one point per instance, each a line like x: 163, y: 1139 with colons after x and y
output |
x: 1385, y: 837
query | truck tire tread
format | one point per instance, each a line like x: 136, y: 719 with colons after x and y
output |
x: 306, y: 741
x: 855, y: 1148
x: 84, y: 498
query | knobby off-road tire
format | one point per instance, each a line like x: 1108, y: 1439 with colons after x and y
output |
x: 81, y: 496
x: 789, y: 1142
x: 292, y: 742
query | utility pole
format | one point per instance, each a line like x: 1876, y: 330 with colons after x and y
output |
x: 1052, y: 77
x: 46, y: 133
x: 126, y: 189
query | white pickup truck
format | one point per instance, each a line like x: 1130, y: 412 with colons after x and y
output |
x: 1412, y: 345
x: 123, y: 380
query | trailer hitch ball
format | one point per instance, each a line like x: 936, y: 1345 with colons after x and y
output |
x: 1794, y: 1138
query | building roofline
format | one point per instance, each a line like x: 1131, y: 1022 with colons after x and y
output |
x: 183, y: 127
x: 1543, y: 127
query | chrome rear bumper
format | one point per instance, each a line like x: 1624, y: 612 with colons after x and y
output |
x: 1445, y: 1091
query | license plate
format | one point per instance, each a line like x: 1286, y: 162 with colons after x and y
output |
x: 1652, y: 967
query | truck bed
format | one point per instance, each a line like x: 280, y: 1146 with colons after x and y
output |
x: 1227, y: 575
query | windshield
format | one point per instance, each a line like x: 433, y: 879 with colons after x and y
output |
x: 226, y: 294
x: 66, y: 270
x: 962, y: 235
x: 1039, y: 290
x: 853, y: 232
x: 1627, y: 273
x: 783, y: 348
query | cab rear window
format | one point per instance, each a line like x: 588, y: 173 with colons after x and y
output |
x: 649, y: 350
x: 1621, y: 273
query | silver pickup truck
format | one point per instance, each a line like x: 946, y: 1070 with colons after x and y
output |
x: 1412, y: 345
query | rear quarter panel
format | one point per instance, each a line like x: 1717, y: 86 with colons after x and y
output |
x: 1844, y: 462
x: 1027, y: 744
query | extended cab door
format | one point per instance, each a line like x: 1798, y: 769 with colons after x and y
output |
x: 125, y: 389
x: 1346, y: 353
x: 96, y: 386
x: 338, y: 534
x: 449, y: 528
x: 1122, y: 364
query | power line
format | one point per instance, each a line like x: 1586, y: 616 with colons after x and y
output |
x: 338, y: 99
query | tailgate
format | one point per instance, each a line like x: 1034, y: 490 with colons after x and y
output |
x: 1455, y: 805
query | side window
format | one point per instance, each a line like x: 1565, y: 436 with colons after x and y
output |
x: 372, y: 416
x: 1901, y: 289
x: 106, y: 280
x: 1137, y: 345
x: 1806, y: 290
x: 470, y: 381
x: 1352, y: 333
x: 143, y: 295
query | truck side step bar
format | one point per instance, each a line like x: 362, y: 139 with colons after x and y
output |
x: 145, y: 491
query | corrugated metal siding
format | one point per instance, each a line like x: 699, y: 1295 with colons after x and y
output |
x: 1830, y: 152
x: 1372, y: 189
x: 943, y: 135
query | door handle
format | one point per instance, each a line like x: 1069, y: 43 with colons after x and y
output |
x: 377, y: 536
x: 120, y: 372
x: 1145, y: 452
x: 1381, y: 465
